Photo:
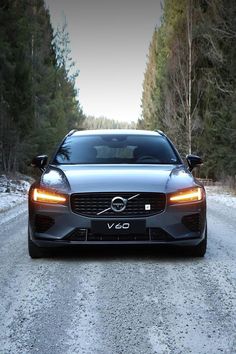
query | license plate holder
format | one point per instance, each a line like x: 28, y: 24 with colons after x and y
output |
x: 118, y: 227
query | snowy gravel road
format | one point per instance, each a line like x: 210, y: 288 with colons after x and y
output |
x: 125, y: 301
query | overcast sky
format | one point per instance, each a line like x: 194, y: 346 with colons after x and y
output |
x: 109, y: 42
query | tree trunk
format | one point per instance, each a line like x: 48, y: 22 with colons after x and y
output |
x: 189, y: 26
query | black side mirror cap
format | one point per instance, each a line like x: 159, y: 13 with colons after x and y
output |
x: 40, y: 162
x: 193, y: 161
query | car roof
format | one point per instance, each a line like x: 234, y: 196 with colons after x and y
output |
x: 115, y: 131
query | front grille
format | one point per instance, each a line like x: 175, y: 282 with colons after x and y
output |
x: 130, y: 237
x: 151, y: 234
x: 77, y: 235
x: 42, y: 223
x: 192, y: 222
x: 145, y: 204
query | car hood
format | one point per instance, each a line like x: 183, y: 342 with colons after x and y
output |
x: 118, y: 178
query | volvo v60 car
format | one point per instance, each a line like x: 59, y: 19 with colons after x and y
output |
x: 117, y: 187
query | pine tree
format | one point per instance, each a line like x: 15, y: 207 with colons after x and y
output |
x: 193, y: 99
x: 38, y: 100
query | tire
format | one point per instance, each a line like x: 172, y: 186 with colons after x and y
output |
x: 34, y: 251
x: 200, y: 250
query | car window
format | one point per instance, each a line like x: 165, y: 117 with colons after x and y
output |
x: 116, y: 149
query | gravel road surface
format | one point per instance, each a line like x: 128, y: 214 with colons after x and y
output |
x: 125, y: 301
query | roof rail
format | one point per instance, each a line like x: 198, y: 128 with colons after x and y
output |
x: 160, y: 132
x: 72, y: 132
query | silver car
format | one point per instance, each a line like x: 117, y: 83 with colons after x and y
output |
x: 117, y: 187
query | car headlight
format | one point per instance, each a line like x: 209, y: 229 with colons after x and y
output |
x: 44, y: 196
x: 187, y: 195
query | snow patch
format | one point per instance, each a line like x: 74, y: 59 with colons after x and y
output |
x: 220, y: 196
x: 13, y: 192
x: 10, y: 200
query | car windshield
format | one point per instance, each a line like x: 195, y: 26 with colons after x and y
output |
x: 116, y: 149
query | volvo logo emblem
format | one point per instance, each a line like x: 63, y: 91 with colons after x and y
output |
x: 118, y: 204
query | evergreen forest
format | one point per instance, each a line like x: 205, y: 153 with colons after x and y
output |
x: 189, y: 88
x: 38, y: 99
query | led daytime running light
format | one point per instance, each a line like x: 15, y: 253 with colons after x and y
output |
x: 194, y: 195
x: 42, y: 196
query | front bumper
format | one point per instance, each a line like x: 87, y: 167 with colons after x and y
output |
x: 68, y: 228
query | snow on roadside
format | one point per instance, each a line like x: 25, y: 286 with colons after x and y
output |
x: 13, y: 192
x: 221, y: 196
x: 9, y: 200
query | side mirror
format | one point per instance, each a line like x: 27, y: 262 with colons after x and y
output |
x: 193, y: 161
x: 40, y: 162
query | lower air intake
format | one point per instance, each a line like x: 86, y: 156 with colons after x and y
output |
x: 43, y: 223
x: 192, y: 222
